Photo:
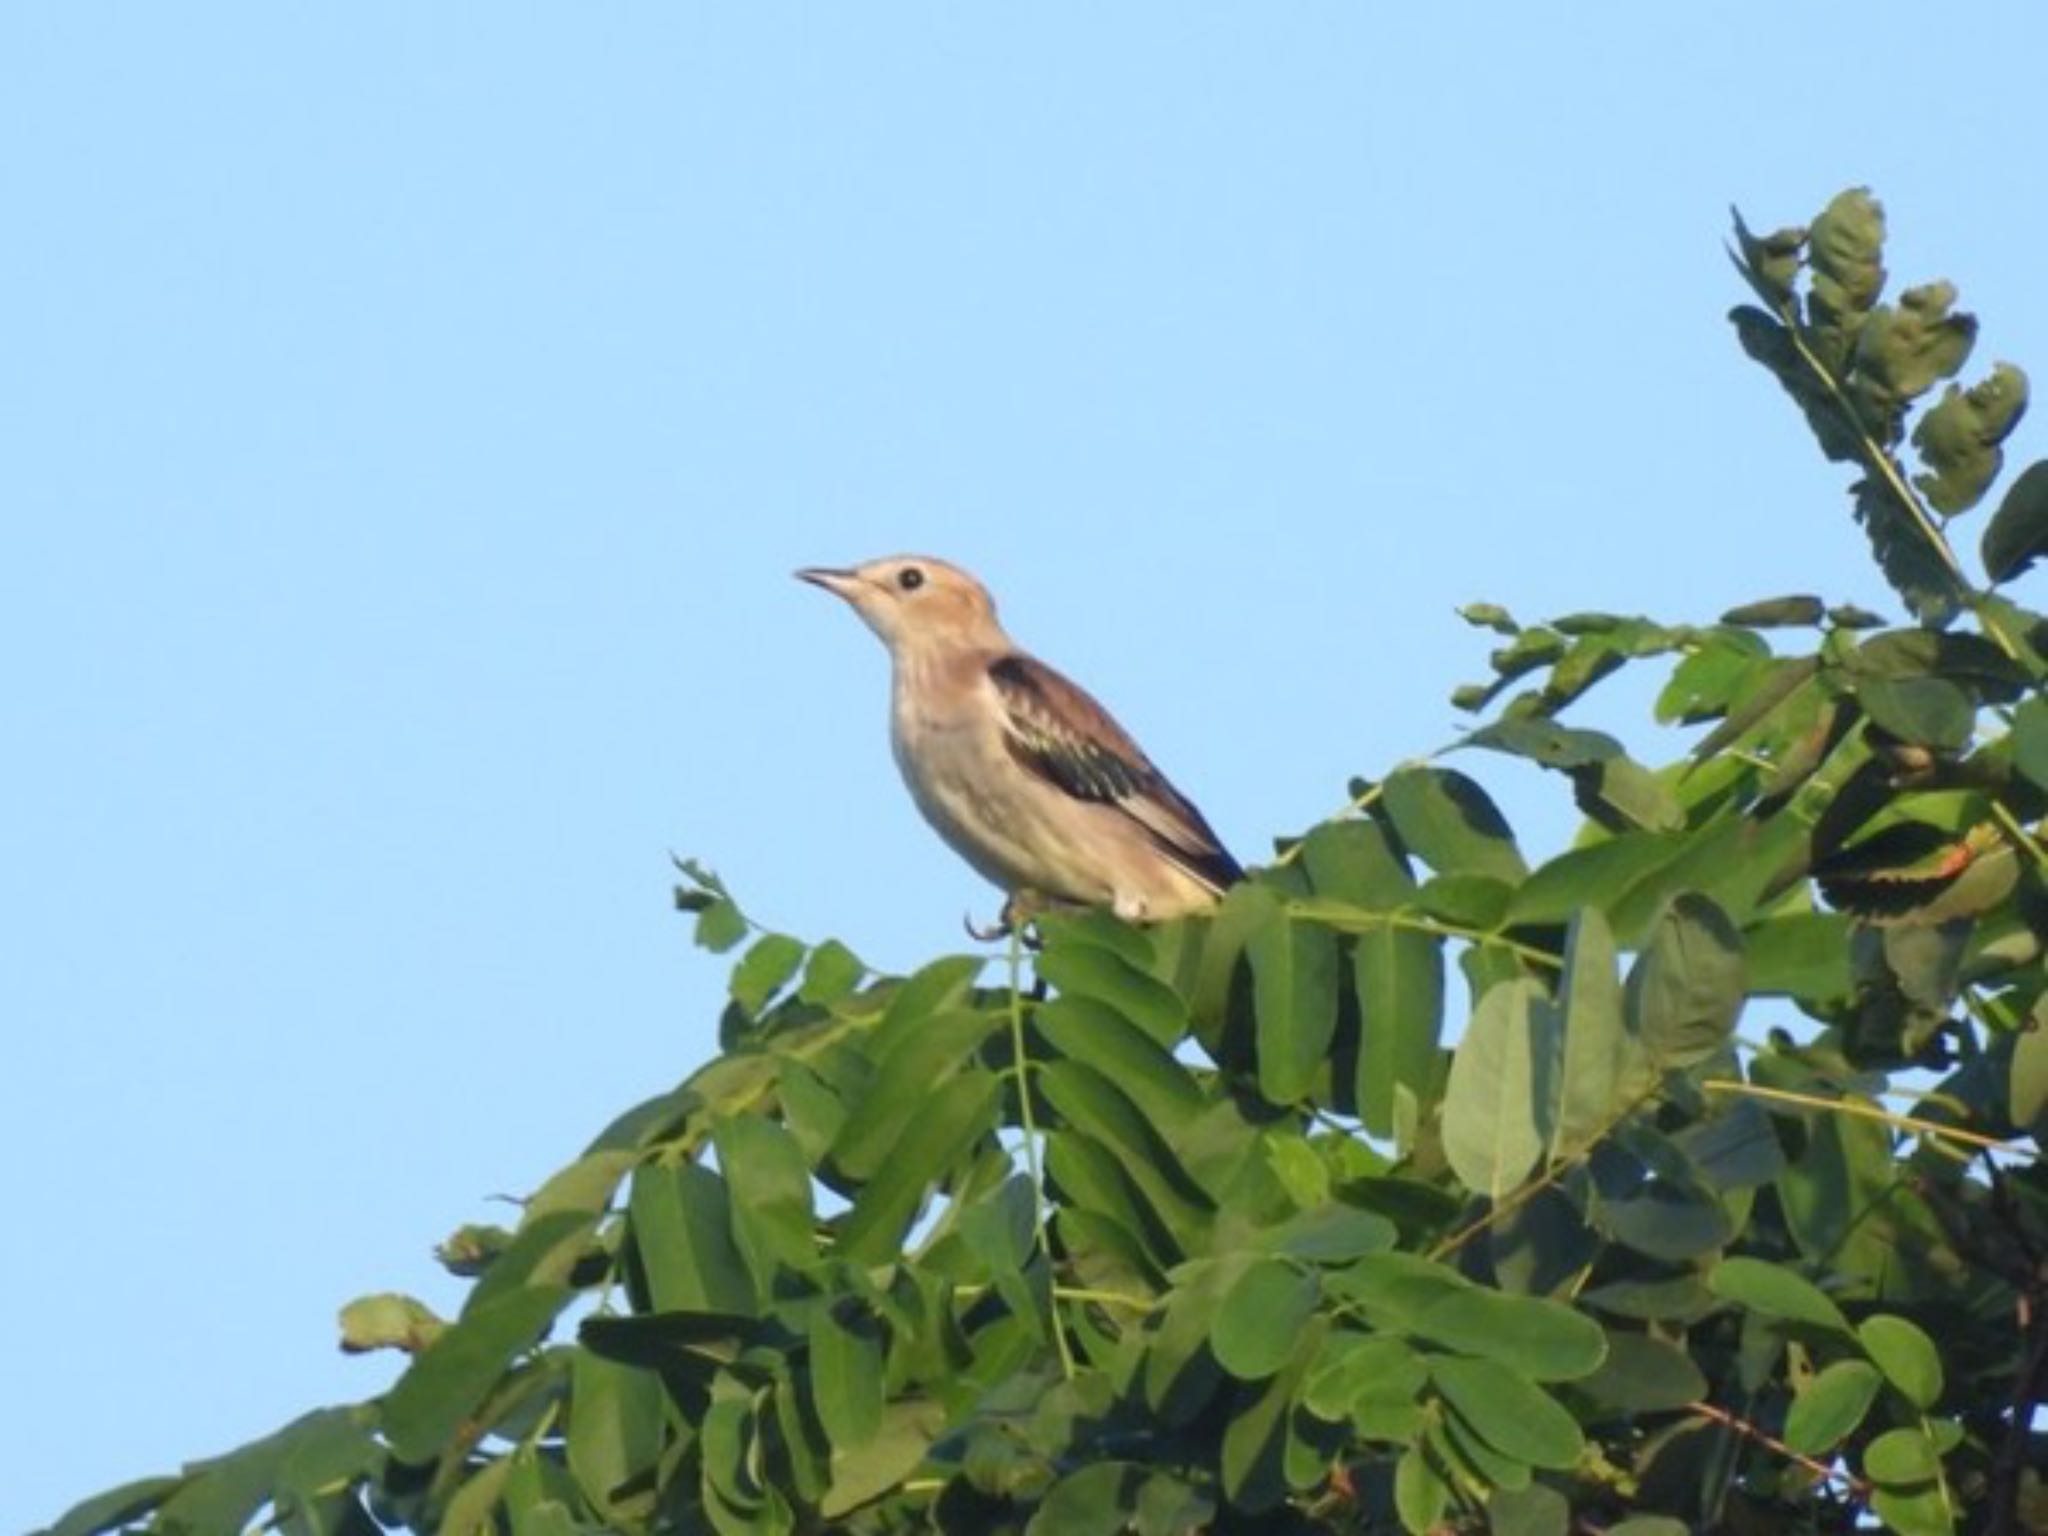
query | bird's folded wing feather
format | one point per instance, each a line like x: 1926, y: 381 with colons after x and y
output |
x: 1056, y: 731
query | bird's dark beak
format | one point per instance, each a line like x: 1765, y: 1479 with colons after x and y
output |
x: 838, y: 582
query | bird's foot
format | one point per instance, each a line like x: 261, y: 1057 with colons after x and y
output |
x: 1019, y: 912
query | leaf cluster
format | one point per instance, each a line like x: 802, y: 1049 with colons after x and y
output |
x: 1723, y: 1211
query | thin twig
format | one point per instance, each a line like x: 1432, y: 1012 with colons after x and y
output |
x: 1819, y: 1469
x: 2019, y: 834
x: 1346, y: 918
x: 1029, y: 1121
x: 1356, y: 805
x: 1864, y: 1111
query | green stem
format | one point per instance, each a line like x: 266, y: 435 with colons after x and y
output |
x: 1346, y: 918
x: 1887, y: 469
x: 1357, y: 805
x: 2018, y: 833
x: 1028, y: 1119
x: 1105, y: 1298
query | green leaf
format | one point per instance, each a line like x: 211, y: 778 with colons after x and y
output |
x: 1255, y: 1453
x: 1831, y: 1406
x: 769, y: 1184
x: 1394, y: 1289
x: 2030, y: 740
x: 1770, y: 263
x: 1399, y: 977
x: 1494, y: 1109
x: 954, y: 1117
x: 1845, y: 249
x: 1920, y: 1510
x: 1906, y: 1355
x: 1681, y: 1299
x: 1598, y: 875
x: 473, y: 1509
x: 1906, y: 349
x: 2027, y: 1084
x: 585, y: 1188
x: 764, y: 970
x: 1959, y: 438
x: 1777, y: 612
x: 720, y: 926
x: 1901, y: 1457
x: 1909, y: 559
x: 1465, y: 1451
x: 1531, y: 1511
x: 1644, y: 1374
x: 1446, y: 820
x: 885, y: 1459
x: 1776, y: 1291
x: 1591, y: 1074
x: 1489, y: 616
x: 1093, y: 1105
x: 120, y: 1506
x: 1085, y: 970
x: 846, y: 1372
x: 449, y: 1379
x: 910, y: 1067
x: 830, y: 974
x: 1097, y: 1500
x: 1420, y: 1494
x: 1294, y: 981
x: 1930, y: 711
x: 1649, y: 1525
x: 1261, y: 1318
x: 681, y: 1221
x: 1513, y: 1416
x: 2017, y: 534
x: 1353, y: 1369
x: 1094, y: 1034
x: 1329, y: 1234
x: 1687, y: 986
x: 388, y: 1321
x: 615, y: 1430
x: 1535, y: 1337
x: 1801, y: 954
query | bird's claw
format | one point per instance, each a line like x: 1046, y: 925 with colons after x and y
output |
x: 1018, y: 912
x: 999, y: 929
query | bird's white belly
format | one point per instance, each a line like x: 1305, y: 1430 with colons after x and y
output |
x: 1007, y: 824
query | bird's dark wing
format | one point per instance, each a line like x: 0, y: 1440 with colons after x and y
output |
x: 1057, y: 732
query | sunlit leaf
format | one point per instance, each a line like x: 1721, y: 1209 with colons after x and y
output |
x: 1777, y: 1292
x: 1830, y: 1407
x: 1906, y: 1355
x: 1535, y: 1337
x: 1514, y: 1416
x: 1495, y: 1109
x: 1261, y: 1318
x: 1446, y: 820
x: 450, y: 1377
x: 1294, y: 977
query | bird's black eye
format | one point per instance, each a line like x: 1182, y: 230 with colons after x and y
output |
x: 910, y: 578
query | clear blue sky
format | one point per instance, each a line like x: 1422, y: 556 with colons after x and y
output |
x: 411, y: 414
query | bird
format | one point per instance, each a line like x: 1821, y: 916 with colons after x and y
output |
x: 1019, y: 770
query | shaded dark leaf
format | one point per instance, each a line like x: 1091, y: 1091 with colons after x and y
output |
x: 2017, y: 534
x: 1776, y: 612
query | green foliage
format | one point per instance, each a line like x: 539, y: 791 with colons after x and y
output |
x: 1200, y: 1227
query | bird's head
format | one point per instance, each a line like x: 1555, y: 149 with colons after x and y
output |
x: 914, y: 601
